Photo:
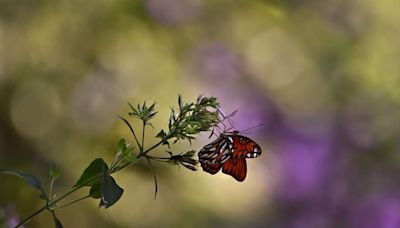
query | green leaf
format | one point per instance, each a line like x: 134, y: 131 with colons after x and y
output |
x: 29, y: 178
x: 129, y: 156
x: 122, y: 145
x: 110, y: 191
x: 57, y: 222
x: 180, y: 103
x: 54, y: 172
x: 95, y: 191
x: 95, y: 169
x: 161, y: 134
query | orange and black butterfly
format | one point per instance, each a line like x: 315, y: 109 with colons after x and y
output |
x: 229, y: 152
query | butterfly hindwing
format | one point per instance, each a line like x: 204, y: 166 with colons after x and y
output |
x: 237, y: 168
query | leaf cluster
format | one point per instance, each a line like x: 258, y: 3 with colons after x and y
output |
x: 143, y: 112
x: 190, y: 118
x: 187, y: 159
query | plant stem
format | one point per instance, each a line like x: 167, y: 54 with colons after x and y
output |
x: 154, y: 146
x: 48, y: 205
x: 143, y: 131
x: 95, y: 178
x: 31, y: 216
x: 154, y: 176
x: 51, y: 189
x: 132, y: 131
x: 72, y: 202
x: 140, y: 155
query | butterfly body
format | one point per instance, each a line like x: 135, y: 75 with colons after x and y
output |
x: 229, y: 152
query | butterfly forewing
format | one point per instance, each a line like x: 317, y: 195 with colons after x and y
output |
x: 244, y: 147
x: 213, y: 155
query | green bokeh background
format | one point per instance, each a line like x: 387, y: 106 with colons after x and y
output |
x: 323, y: 74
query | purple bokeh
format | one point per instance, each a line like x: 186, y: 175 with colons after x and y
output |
x: 218, y: 69
x: 376, y: 211
x: 309, y: 219
x: 214, y: 64
x: 10, y: 216
x: 173, y: 12
x: 304, y: 168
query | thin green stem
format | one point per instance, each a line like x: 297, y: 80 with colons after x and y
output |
x: 154, y: 146
x: 154, y: 176
x: 31, y: 216
x: 95, y: 178
x: 115, y: 162
x: 139, y: 156
x: 51, y: 189
x: 49, y: 204
x: 132, y: 131
x: 72, y: 202
x: 143, y: 131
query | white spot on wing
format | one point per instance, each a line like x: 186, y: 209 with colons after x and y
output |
x: 222, y: 148
x: 227, y: 151
x: 225, y: 159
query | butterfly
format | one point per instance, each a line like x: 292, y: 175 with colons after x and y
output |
x: 229, y: 152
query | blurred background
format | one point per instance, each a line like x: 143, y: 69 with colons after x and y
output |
x: 322, y: 77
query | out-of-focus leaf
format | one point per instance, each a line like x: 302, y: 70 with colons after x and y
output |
x: 57, y: 222
x: 29, y: 178
x: 121, y: 145
x: 129, y: 156
x: 94, y: 169
x: 161, y: 134
x: 180, y: 103
x: 54, y: 172
x: 110, y: 191
x: 95, y: 191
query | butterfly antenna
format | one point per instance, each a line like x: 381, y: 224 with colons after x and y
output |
x: 248, y: 130
x: 227, y: 118
x: 230, y: 119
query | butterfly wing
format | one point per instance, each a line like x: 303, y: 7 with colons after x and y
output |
x: 244, y: 147
x: 213, y: 155
x: 237, y: 168
x: 229, y: 152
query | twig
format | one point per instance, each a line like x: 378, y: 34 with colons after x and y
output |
x: 133, y: 132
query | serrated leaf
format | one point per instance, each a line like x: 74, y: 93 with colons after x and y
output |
x: 29, y: 178
x: 95, y: 191
x: 54, y: 172
x: 110, y: 191
x: 94, y: 169
x: 57, y: 222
